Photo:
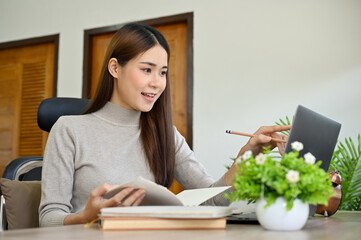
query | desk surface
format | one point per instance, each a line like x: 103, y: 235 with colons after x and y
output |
x: 342, y: 225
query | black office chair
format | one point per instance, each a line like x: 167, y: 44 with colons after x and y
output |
x: 28, y: 168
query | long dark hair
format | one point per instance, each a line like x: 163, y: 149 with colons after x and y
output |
x: 156, y: 125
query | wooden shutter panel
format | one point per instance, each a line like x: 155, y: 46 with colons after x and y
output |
x: 33, y: 92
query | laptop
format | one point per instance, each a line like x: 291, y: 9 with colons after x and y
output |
x: 318, y: 134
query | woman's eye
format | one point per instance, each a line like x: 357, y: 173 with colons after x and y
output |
x: 147, y: 70
x: 163, y: 73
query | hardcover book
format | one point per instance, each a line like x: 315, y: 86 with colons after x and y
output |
x: 163, y: 217
x: 160, y: 223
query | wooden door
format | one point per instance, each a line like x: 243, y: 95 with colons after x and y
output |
x: 176, y: 35
x: 26, y: 78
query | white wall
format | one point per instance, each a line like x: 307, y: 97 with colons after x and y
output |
x: 254, y: 60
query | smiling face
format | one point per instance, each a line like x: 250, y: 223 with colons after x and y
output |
x: 139, y: 83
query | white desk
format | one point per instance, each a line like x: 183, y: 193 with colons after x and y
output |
x: 343, y: 225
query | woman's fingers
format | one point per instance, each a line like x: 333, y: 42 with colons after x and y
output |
x: 96, y: 202
x: 134, y: 198
x: 126, y: 197
x: 280, y: 145
x: 99, y: 191
x: 263, y: 138
x: 117, y: 199
x: 139, y: 200
x: 273, y: 129
x: 266, y: 133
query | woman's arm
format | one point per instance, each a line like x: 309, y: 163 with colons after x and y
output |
x: 191, y: 174
x: 57, y: 175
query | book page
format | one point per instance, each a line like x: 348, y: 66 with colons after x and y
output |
x: 194, y: 197
x: 155, y: 194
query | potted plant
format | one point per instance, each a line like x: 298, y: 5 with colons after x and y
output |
x: 346, y: 161
x: 281, y: 188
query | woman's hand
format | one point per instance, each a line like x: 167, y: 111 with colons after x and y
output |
x: 126, y: 197
x: 263, y: 138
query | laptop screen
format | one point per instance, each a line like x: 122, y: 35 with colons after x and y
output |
x: 317, y: 133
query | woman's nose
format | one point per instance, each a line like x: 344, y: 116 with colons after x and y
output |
x: 155, y: 80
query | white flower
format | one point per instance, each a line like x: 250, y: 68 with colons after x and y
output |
x: 247, y: 155
x: 298, y: 146
x: 309, y: 158
x: 260, y: 159
x: 292, y: 176
x: 239, y: 160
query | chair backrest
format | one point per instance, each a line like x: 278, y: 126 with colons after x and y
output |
x: 51, y: 109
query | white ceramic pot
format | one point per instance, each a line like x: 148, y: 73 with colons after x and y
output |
x: 276, y: 217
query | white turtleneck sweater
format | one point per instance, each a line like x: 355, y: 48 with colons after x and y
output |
x: 85, y: 151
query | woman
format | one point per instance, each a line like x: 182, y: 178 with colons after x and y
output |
x: 126, y: 132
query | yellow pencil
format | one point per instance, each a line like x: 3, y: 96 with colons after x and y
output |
x: 252, y: 135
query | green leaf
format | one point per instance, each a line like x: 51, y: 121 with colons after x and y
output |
x: 351, y: 148
x: 347, y: 160
x: 284, y: 123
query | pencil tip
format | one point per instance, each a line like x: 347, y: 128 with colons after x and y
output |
x: 228, y: 131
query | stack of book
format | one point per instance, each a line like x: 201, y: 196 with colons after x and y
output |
x: 163, y: 217
x: 163, y: 210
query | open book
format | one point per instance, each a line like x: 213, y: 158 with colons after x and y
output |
x: 156, y: 194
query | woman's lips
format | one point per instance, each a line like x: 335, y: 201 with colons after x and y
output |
x: 149, y: 96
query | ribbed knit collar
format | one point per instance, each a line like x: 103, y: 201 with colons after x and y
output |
x: 118, y: 115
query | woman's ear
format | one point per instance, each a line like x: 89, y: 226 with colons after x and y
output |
x: 113, y: 67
